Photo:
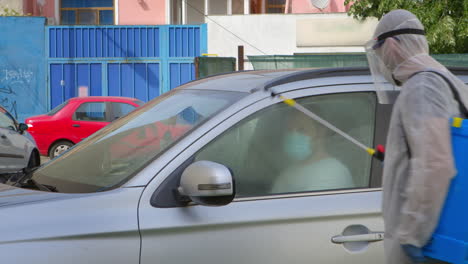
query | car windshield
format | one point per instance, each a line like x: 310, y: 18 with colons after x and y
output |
x: 57, y: 108
x: 7, y: 118
x: 110, y: 157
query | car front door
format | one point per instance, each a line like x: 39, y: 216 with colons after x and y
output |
x: 287, y: 209
x: 12, y: 144
x: 88, y: 118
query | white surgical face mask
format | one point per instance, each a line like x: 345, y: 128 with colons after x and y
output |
x: 298, y: 146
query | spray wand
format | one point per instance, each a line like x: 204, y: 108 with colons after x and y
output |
x: 378, y: 153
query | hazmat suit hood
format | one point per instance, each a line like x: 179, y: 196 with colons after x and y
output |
x: 398, y: 50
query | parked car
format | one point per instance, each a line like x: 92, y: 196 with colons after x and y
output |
x: 76, y: 119
x: 144, y: 188
x: 17, y: 148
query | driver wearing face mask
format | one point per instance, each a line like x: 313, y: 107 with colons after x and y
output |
x: 311, y: 167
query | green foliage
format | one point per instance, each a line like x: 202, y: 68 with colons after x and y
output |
x: 445, y: 21
x: 5, y: 11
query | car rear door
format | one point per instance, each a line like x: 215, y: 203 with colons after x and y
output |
x: 88, y: 118
x: 269, y: 222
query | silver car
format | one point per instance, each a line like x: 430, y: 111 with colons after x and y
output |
x: 203, y: 175
x: 18, y: 149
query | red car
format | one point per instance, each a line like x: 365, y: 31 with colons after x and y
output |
x: 76, y: 119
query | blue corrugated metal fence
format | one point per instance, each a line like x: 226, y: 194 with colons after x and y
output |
x: 133, y: 61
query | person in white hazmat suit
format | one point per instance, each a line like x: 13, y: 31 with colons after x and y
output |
x: 419, y: 164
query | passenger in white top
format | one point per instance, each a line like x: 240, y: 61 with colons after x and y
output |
x: 311, y: 167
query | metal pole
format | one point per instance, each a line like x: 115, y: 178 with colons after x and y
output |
x: 240, y: 57
x: 184, y: 12
x: 229, y: 7
x: 207, y: 7
x: 197, y: 68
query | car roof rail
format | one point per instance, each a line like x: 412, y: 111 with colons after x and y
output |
x: 333, y: 72
x: 316, y: 73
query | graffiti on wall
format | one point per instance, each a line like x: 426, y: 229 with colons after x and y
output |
x: 11, y: 81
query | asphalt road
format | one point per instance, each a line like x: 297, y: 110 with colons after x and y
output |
x: 44, y: 159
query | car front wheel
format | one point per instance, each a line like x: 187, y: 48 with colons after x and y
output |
x: 59, y: 148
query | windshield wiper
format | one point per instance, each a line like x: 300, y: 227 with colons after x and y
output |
x: 23, y: 180
x: 31, y: 183
x: 19, y: 176
x: 40, y: 186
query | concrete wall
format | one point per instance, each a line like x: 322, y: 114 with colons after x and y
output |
x: 142, y: 12
x: 16, y: 5
x: 22, y: 66
x: 333, y: 31
x: 273, y: 34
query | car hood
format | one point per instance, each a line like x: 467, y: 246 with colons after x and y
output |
x: 49, y: 226
x: 10, y: 195
x: 51, y: 216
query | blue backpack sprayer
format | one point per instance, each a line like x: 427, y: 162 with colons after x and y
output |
x: 449, y: 242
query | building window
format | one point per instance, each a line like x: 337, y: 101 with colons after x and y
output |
x: 87, y: 12
x: 275, y: 6
x: 267, y: 6
x: 237, y: 7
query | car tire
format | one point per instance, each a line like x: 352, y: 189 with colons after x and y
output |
x: 59, y: 147
x: 34, y: 160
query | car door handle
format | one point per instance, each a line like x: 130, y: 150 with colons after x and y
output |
x: 75, y: 125
x: 3, y: 136
x: 372, y: 237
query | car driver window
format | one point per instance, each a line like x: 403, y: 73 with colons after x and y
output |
x: 279, y: 150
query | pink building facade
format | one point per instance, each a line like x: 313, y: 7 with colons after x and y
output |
x: 158, y: 12
x: 308, y: 6
x: 142, y: 12
x: 99, y: 12
x: 45, y: 8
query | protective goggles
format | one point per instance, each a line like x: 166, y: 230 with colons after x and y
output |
x: 380, y: 40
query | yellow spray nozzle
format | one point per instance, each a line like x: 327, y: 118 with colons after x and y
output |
x: 457, y: 122
x: 371, y: 151
x: 288, y: 101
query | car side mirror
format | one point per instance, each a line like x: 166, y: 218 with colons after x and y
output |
x: 22, y: 127
x: 207, y: 183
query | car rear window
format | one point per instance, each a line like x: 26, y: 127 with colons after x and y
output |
x: 58, y: 108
